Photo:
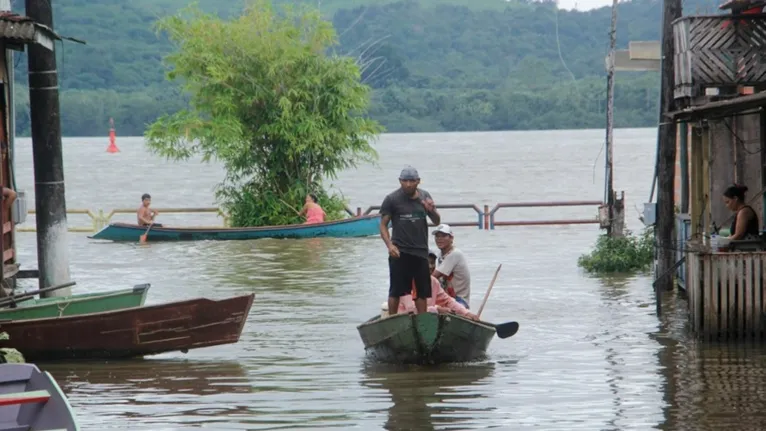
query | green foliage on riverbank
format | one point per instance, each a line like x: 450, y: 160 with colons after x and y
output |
x: 620, y: 255
x: 434, y: 65
x: 271, y: 104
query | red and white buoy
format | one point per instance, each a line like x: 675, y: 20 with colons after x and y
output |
x: 112, y: 148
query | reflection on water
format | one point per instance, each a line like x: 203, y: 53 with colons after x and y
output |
x: 430, y: 398
x: 158, y: 393
x: 165, y: 376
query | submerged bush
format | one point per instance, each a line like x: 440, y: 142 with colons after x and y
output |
x: 9, y: 355
x: 619, y: 255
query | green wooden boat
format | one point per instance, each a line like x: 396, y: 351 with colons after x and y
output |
x: 426, y: 338
x: 85, y: 303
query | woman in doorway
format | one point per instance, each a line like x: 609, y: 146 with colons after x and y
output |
x: 745, y: 224
x: 313, y: 212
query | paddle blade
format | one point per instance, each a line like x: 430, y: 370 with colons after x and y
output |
x: 142, y: 238
x: 508, y: 329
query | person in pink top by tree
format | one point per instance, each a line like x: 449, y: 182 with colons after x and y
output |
x: 313, y: 212
x: 440, y: 301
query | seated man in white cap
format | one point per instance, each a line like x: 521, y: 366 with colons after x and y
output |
x: 452, y: 267
x: 439, y: 302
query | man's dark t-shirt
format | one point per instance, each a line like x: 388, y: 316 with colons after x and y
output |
x: 408, y: 221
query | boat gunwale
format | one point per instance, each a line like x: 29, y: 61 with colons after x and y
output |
x: 73, y: 299
x: 251, y: 297
x: 298, y: 226
x: 481, y: 323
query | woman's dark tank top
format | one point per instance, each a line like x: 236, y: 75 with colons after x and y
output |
x: 752, y: 223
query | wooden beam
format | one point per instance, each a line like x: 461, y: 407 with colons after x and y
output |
x: 707, y: 174
x: 8, y: 255
x: 720, y: 108
x: 763, y: 164
x: 11, y: 269
x: 696, y: 212
x: 28, y: 273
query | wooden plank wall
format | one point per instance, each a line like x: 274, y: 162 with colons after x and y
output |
x: 726, y: 295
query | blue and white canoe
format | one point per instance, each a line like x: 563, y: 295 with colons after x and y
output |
x: 347, y: 228
x: 31, y: 399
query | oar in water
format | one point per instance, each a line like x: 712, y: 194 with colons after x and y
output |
x: 29, y: 295
x: 503, y: 330
x: 142, y: 238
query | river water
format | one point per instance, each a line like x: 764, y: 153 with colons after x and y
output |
x: 591, y: 354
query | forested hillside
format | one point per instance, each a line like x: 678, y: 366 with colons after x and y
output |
x: 435, y: 65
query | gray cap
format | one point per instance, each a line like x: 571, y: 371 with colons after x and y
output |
x: 409, y: 173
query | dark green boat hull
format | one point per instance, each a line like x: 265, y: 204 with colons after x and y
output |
x: 427, y: 338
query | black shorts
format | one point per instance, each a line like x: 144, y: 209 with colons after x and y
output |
x: 406, y: 269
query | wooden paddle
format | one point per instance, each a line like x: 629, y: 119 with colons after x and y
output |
x: 28, y: 295
x: 489, y: 289
x: 503, y: 330
x: 142, y: 238
x: 508, y: 329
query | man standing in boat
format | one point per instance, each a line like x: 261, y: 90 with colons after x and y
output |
x: 407, y: 209
x: 453, y: 266
x: 145, y: 214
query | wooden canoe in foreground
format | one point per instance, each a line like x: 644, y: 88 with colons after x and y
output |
x: 130, y: 332
x: 426, y: 338
x: 31, y: 399
x: 347, y: 228
x: 84, y: 303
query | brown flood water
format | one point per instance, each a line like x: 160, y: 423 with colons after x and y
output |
x: 590, y: 354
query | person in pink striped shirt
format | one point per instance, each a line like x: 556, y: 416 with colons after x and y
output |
x: 439, y: 302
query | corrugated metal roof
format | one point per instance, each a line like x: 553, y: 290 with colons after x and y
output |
x: 24, y: 29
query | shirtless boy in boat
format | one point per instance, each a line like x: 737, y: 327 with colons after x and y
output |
x: 146, y: 215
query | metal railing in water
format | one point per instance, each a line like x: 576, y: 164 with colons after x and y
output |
x: 485, y: 218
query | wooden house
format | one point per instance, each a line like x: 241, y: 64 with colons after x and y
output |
x: 720, y: 78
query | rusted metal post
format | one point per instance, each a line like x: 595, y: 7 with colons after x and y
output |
x: 486, y: 217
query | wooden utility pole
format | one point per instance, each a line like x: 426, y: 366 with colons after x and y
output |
x: 666, y: 154
x: 610, y: 120
x: 50, y: 204
x: 615, y: 206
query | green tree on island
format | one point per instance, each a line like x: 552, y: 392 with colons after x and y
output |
x: 271, y: 102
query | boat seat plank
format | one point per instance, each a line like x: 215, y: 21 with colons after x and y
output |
x: 13, y: 426
x: 24, y: 398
